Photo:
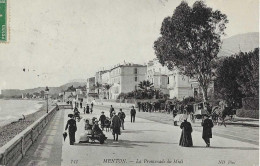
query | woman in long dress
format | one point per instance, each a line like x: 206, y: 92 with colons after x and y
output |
x: 186, y: 139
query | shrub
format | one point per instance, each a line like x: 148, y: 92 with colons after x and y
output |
x: 247, y: 113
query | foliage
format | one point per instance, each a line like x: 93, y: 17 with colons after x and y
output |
x: 248, y: 78
x: 248, y: 113
x: 145, y: 91
x: 237, y: 77
x: 71, y: 89
x: 226, y: 86
x: 190, y: 40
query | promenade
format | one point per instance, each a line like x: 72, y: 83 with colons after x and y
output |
x: 145, y: 142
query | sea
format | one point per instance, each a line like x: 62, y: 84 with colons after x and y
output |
x: 12, y: 110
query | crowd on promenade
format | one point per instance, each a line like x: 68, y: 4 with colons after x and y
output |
x: 95, y: 127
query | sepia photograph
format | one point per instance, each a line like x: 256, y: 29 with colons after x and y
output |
x: 129, y: 83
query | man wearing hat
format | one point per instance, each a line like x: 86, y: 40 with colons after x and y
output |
x: 207, y: 132
x: 102, y: 119
x: 71, y: 124
x: 133, y: 112
x: 116, y: 124
x: 121, y: 115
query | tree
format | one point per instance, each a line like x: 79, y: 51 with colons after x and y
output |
x: 226, y: 86
x: 71, y: 88
x: 146, y: 89
x: 190, y: 41
x: 248, y: 76
x: 237, y: 77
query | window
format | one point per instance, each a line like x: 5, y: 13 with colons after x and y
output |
x: 135, y: 71
x: 168, y: 82
x: 135, y: 79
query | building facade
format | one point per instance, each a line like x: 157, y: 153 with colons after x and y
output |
x: 90, y: 88
x: 179, y: 86
x: 158, y: 75
x: 125, y: 78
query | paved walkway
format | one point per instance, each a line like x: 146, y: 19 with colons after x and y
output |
x: 47, y: 150
x: 144, y: 142
x: 242, y: 133
x: 148, y: 141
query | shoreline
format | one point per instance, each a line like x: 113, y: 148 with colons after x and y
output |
x: 10, y: 130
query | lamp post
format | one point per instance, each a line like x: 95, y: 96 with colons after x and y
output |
x: 47, y: 93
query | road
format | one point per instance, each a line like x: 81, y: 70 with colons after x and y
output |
x: 144, y: 142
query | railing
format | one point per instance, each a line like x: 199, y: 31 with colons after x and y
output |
x: 12, y: 152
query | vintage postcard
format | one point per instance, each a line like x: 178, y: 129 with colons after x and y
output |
x: 129, y: 82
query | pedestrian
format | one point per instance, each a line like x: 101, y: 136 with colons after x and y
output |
x: 107, y: 124
x: 84, y: 110
x: 133, y: 112
x: 87, y: 109
x: 121, y: 115
x: 186, y: 138
x: 102, y: 119
x: 92, y: 104
x: 71, y: 124
x: 80, y: 104
x: 116, y: 124
x: 91, y: 110
x: 111, y: 111
x: 139, y: 106
x: 207, y: 132
x: 223, y: 117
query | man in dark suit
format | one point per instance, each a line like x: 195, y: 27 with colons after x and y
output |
x: 71, y: 124
x: 133, y: 112
x: 207, y: 132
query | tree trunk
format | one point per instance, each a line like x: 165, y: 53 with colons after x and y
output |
x: 205, y: 94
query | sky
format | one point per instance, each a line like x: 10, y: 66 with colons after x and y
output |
x: 62, y: 40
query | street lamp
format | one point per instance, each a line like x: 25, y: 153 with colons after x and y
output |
x: 47, y: 93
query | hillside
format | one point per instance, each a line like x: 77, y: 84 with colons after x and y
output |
x: 242, y: 42
x: 52, y: 90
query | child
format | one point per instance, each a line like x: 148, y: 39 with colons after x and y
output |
x: 107, y: 124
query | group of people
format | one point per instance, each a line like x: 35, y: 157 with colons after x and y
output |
x: 115, y: 122
x: 87, y: 110
x: 186, y: 138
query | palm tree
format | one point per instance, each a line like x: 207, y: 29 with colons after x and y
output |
x: 146, y: 88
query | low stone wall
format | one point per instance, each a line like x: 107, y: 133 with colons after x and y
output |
x: 12, y: 152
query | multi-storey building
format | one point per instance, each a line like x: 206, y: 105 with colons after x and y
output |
x: 106, y: 85
x: 179, y: 86
x: 157, y: 74
x: 98, y: 80
x: 125, y: 78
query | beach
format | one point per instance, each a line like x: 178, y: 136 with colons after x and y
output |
x: 9, y: 131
